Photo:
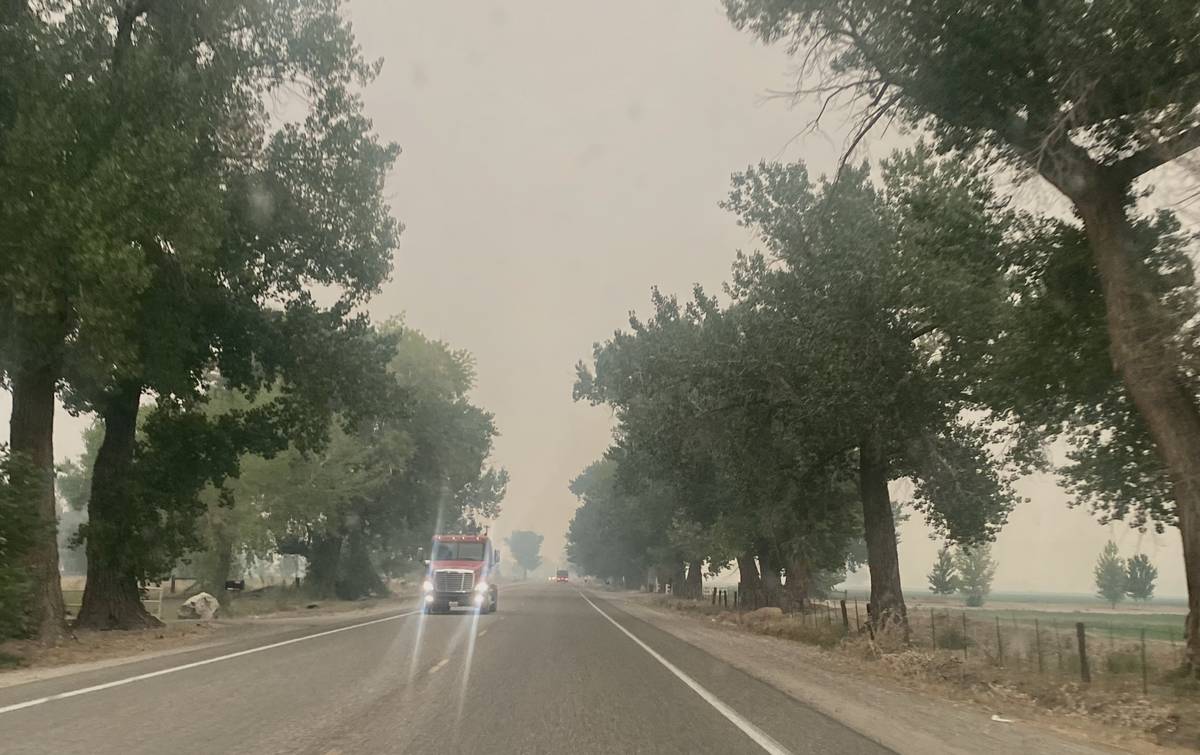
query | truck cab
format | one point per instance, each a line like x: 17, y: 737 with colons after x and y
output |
x: 462, y: 571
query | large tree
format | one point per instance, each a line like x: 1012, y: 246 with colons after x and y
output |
x: 361, y: 506
x: 874, y: 305
x: 1090, y: 96
x: 301, y: 207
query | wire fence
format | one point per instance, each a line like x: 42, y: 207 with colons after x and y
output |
x: 1118, y: 649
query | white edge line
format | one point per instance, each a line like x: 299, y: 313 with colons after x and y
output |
x: 760, y: 737
x: 194, y: 664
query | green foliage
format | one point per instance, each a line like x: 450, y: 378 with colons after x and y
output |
x: 870, y: 314
x: 364, y: 502
x: 943, y: 579
x: 1139, y: 577
x: 975, y: 569
x: 525, y: 548
x: 1110, y: 575
x: 1002, y: 76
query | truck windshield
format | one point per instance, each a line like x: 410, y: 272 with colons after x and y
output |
x: 457, y: 551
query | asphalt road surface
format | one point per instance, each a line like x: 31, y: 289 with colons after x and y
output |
x: 554, y: 671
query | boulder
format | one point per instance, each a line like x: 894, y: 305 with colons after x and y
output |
x: 200, y: 606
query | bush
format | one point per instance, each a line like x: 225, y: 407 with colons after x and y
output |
x: 974, y: 601
x: 951, y: 637
x: 1123, y: 662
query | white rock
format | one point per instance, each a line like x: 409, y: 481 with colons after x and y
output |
x: 201, y: 606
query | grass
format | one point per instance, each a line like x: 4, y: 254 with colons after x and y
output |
x: 1167, y: 627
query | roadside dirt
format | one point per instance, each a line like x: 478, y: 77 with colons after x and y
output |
x: 86, y: 650
x: 877, y: 695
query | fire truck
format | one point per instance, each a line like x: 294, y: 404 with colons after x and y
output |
x: 462, y: 571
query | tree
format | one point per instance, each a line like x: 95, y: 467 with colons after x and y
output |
x: 1110, y: 575
x: 18, y: 528
x: 525, y: 547
x: 1139, y: 577
x: 1091, y: 97
x: 361, y: 506
x: 943, y: 580
x: 975, y: 572
x: 855, y: 288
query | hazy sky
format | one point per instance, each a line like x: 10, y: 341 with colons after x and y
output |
x: 562, y: 157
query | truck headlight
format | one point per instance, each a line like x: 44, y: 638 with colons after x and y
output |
x: 427, y: 586
x: 481, y: 587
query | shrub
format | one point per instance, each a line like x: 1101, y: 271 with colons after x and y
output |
x: 1124, y: 662
x: 951, y: 637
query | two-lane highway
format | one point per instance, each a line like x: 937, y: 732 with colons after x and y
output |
x: 554, y: 671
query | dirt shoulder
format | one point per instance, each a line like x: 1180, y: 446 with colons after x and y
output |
x: 88, y: 650
x: 874, y: 693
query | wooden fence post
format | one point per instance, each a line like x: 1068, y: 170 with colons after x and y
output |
x: 846, y: 621
x: 1144, y: 683
x: 1037, y: 641
x: 1084, y: 672
x: 999, y: 643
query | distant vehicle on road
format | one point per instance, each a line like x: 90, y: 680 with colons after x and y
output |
x: 561, y: 576
x: 461, y: 573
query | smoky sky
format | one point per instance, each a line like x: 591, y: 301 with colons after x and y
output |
x: 562, y: 157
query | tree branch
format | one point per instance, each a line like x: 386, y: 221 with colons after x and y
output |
x: 1157, y: 154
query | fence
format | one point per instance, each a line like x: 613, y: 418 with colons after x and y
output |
x: 1093, y: 648
x: 152, y: 599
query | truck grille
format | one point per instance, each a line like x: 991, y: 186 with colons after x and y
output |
x: 454, y: 581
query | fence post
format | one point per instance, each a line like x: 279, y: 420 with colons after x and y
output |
x: 1057, y: 644
x: 1144, y: 684
x: 1037, y: 641
x: 846, y: 620
x: 714, y: 596
x: 999, y: 643
x: 932, y: 629
x: 857, y: 623
x: 1084, y: 672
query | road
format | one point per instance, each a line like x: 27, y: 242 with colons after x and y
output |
x: 555, y: 670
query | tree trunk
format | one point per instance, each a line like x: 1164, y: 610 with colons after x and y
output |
x: 749, y: 581
x: 695, y: 579
x: 679, y: 579
x: 221, y: 565
x: 795, y: 589
x: 112, y: 599
x: 771, y: 586
x: 1141, y: 340
x: 31, y: 436
x: 324, y: 557
x: 879, y: 529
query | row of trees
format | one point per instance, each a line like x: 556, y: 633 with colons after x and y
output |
x: 1119, y: 578
x: 968, y: 571
x: 918, y: 326
x: 190, y: 265
x: 1091, y: 97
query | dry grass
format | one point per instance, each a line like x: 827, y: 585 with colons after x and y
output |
x: 1002, y: 664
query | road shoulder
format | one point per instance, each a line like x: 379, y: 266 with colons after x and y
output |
x: 95, y: 651
x: 903, y: 718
